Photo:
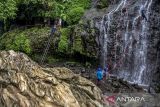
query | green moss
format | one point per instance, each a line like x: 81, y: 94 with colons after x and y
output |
x: 17, y: 41
x: 79, y: 41
x: 63, y: 44
x: 21, y: 43
x: 77, y: 44
x: 28, y: 40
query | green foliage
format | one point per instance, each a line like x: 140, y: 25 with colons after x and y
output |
x: 29, y: 10
x: 16, y: 41
x: 7, y: 9
x: 28, y: 40
x: 76, y: 3
x: 51, y: 8
x: 74, y: 10
x: 63, y: 44
x: 20, y: 43
x: 74, y: 15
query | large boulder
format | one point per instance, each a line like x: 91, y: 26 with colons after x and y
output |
x: 26, y: 84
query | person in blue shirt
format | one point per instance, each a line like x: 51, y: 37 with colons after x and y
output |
x: 99, y: 75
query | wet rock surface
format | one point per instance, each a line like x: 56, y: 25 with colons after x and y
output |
x: 154, y: 44
x: 26, y: 84
x: 111, y: 84
x: 116, y: 39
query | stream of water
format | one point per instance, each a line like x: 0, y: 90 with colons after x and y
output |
x: 129, y: 40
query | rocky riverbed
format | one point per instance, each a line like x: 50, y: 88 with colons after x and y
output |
x: 111, y: 84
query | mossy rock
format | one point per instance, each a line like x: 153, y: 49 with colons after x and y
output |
x: 17, y: 41
x: 31, y: 40
x: 78, y: 45
x: 34, y: 40
x: 68, y: 41
x: 64, y: 40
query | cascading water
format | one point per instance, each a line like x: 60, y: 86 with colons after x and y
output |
x: 105, y: 33
x: 124, y: 32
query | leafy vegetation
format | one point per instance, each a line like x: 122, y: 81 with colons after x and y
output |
x: 17, y: 42
x: 21, y: 43
x: 74, y: 15
x: 30, y: 11
x: 7, y: 9
x: 26, y: 41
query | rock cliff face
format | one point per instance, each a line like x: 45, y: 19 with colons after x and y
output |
x: 129, y: 36
x: 154, y: 45
x: 25, y: 84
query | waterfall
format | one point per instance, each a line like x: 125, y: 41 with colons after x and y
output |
x: 124, y: 33
x: 104, y: 25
